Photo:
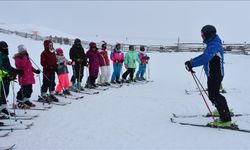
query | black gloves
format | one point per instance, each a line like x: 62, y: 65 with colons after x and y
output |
x: 37, y: 71
x: 189, y: 66
x: 116, y: 61
x: 19, y: 72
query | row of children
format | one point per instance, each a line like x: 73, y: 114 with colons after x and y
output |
x: 54, y: 62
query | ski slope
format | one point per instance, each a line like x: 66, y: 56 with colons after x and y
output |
x: 136, y: 116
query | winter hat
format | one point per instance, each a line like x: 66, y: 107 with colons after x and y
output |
x: 103, y: 43
x: 131, y: 47
x: 59, y: 51
x: 77, y: 41
x: 21, y: 48
x: 208, y: 32
x: 142, y: 48
x: 3, y: 46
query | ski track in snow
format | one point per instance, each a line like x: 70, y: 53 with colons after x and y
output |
x: 136, y: 116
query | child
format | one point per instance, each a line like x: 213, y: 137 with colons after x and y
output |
x: 94, y: 62
x: 117, y: 57
x: 8, y: 73
x: 49, y: 63
x: 142, y: 67
x: 78, y: 56
x: 104, y: 65
x: 62, y: 72
x: 130, y: 63
x: 26, y: 80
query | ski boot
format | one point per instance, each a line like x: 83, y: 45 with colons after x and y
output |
x: 53, y: 98
x: 66, y: 92
x: 5, y: 111
x: 222, y: 124
x: 44, y: 99
x: 22, y: 105
x: 28, y: 102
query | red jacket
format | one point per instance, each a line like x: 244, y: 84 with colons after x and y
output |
x: 104, y: 58
x: 48, y: 59
x: 22, y: 62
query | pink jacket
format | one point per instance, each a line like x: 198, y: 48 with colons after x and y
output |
x: 117, y: 57
x: 22, y: 62
x: 143, y: 57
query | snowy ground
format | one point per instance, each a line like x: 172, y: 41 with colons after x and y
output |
x: 137, y: 117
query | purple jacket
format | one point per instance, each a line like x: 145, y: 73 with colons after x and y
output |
x: 94, y: 58
x: 22, y: 62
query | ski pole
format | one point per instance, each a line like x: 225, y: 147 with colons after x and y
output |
x: 195, y: 80
x: 40, y: 69
x: 201, y: 85
x: 5, y: 96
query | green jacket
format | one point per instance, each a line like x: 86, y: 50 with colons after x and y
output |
x: 130, y: 59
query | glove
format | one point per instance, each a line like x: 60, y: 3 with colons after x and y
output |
x: 116, y: 61
x: 19, y: 72
x: 37, y: 71
x: 189, y: 66
x: 121, y: 61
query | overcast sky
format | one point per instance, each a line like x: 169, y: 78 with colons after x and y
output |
x: 149, y: 22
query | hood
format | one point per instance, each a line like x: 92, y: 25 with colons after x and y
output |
x: 46, y: 44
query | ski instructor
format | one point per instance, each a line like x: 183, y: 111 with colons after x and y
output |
x: 212, y: 60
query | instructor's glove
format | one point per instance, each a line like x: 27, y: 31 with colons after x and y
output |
x: 189, y: 66
x: 19, y: 72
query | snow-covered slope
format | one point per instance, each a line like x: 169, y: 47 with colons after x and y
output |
x: 137, y: 117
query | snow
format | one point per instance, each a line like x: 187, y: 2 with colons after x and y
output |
x: 136, y: 116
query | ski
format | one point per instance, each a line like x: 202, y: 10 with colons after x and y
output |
x: 33, y: 116
x: 97, y: 88
x: 4, y: 133
x: 34, y: 108
x: 88, y: 92
x: 208, y: 126
x: 70, y: 97
x: 115, y: 86
x: 208, y: 115
x: 7, y: 147
x: 11, y: 128
x: 21, y: 124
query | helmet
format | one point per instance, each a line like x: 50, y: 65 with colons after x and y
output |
x: 3, y: 45
x: 77, y: 41
x: 92, y: 45
x: 142, y: 48
x: 59, y: 51
x: 208, y: 32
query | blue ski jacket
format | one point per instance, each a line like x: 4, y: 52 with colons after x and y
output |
x: 212, y: 58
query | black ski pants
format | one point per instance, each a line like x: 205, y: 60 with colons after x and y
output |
x: 130, y: 72
x: 217, y: 99
x: 77, y: 73
x: 24, y: 92
x: 4, y: 88
x: 48, y: 83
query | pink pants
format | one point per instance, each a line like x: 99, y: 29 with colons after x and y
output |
x: 63, y: 82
